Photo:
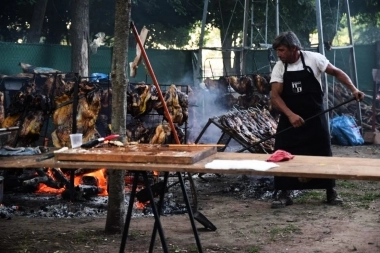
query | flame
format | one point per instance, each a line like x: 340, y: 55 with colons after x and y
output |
x: 99, y: 174
x: 42, y: 188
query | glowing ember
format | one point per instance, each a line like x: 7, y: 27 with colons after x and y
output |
x: 139, y: 205
x: 42, y: 188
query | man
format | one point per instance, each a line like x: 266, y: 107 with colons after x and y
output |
x: 297, y: 94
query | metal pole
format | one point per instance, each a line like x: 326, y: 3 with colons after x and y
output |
x: 252, y: 23
x: 277, y: 17
x: 321, y: 48
x: 352, y: 51
x: 242, y: 56
x: 266, y: 23
x: 199, y: 63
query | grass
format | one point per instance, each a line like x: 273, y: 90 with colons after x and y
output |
x: 310, y: 195
x: 283, y: 231
x: 135, y: 234
x: 347, y: 184
x: 360, y: 192
x: 254, y: 249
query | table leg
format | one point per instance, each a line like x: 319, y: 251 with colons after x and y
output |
x: 160, y: 204
x: 155, y: 213
x: 190, y: 212
x: 129, y: 212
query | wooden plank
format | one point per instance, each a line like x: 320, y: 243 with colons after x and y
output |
x: 301, y: 166
x: 139, y: 154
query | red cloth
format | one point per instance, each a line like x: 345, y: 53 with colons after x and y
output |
x: 280, y: 155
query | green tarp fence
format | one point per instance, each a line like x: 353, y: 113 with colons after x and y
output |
x: 170, y: 66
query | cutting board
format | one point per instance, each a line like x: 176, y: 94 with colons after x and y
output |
x: 141, y: 153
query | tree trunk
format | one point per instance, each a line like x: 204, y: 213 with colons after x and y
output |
x: 37, y: 21
x: 116, y: 206
x: 79, y: 36
x: 226, y: 39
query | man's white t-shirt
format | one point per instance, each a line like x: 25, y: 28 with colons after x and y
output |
x: 316, y: 61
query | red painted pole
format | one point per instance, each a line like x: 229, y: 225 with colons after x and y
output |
x: 155, y: 82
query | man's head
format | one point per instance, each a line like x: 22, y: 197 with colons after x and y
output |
x: 287, y: 46
x: 287, y: 39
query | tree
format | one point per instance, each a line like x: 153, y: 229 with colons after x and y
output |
x: 37, y: 22
x: 228, y: 17
x: 116, y: 206
x: 14, y: 19
x: 168, y: 21
x: 79, y: 35
x: 367, y: 21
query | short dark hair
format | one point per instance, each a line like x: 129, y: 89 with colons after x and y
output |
x: 288, y: 39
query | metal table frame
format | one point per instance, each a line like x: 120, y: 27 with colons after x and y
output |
x: 156, y: 209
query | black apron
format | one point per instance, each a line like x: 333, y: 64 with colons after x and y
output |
x: 303, y: 95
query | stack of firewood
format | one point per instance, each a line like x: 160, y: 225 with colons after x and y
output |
x: 338, y: 93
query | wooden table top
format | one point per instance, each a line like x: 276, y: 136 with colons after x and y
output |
x: 299, y: 166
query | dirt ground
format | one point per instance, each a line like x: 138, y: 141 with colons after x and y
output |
x: 244, y: 224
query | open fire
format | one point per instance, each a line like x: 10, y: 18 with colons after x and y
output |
x: 87, y: 183
x: 96, y: 180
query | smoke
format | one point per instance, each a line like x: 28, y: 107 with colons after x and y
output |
x: 203, y: 105
x: 99, y: 41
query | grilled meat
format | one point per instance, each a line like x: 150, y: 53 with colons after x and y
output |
x: 162, y: 131
x: 89, y: 104
x: 262, y: 83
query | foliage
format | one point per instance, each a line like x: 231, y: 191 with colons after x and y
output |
x: 171, y: 21
x: 168, y: 21
x: 13, y: 18
x: 366, y: 34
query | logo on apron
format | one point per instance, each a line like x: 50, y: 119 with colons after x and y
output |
x: 297, y: 87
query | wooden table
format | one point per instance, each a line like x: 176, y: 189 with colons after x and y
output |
x: 300, y: 166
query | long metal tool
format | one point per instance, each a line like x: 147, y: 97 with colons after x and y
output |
x: 157, y: 224
x: 286, y: 129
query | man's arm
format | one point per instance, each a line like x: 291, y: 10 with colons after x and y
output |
x: 279, y: 103
x: 345, y: 79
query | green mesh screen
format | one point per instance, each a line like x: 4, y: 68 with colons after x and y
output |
x: 170, y: 66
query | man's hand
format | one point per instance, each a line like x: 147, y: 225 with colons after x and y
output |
x: 296, y: 120
x: 359, y: 96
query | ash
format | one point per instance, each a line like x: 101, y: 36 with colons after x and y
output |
x: 53, y: 206
x: 48, y: 206
x: 241, y: 187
